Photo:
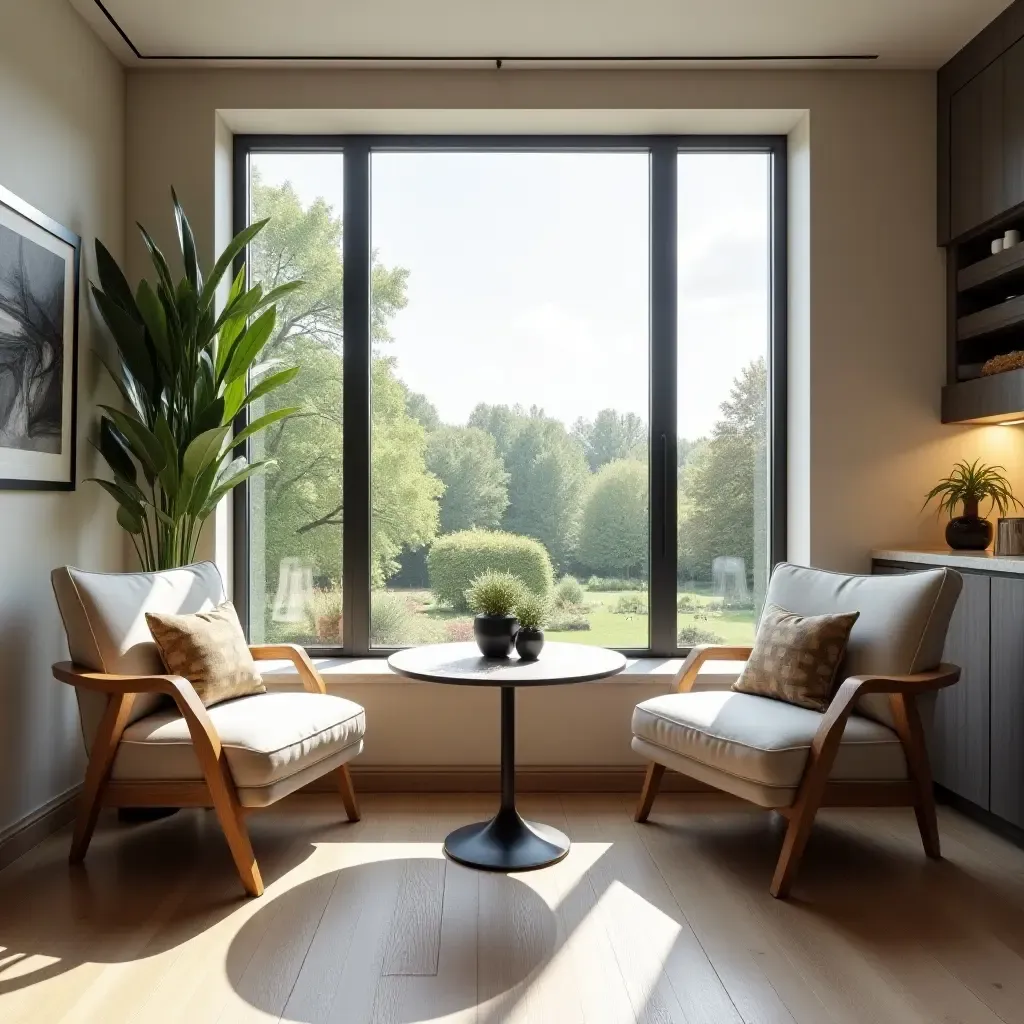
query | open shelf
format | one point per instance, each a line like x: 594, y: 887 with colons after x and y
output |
x: 994, y: 399
x: 1003, y: 266
x: 999, y: 317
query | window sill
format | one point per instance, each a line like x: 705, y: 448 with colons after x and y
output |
x: 658, y: 672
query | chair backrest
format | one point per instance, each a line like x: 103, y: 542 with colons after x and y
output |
x: 902, y: 624
x: 104, y: 618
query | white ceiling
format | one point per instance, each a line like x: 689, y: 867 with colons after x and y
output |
x: 902, y: 33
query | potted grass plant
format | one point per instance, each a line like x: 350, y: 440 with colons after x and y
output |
x: 185, y: 371
x: 532, y: 613
x: 494, y: 597
x: 967, y: 486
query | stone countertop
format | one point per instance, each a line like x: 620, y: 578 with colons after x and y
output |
x: 983, y: 561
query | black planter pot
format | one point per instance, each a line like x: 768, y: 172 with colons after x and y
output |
x: 968, y: 533
x: 495, y: 634
x: 529, y: 643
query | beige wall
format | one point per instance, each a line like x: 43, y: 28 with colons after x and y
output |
x: 62, y: 151
x: 867, y: 281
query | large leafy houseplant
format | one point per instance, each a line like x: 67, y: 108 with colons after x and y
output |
x: 184, y: 372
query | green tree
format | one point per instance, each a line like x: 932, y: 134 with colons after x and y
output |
x: 719, y: 514
x: 421, y: 409
x: 301, y: 495
x: 547, y: 479
x: 502, y: 422
x: 611, y: 435
x: 613, y: 531
x: 466, y: 461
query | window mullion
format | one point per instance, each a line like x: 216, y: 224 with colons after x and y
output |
x: 356, y: 401
x: 663, y: 398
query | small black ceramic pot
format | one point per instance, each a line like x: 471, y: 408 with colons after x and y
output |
x: 529, y: 643
x: 495, y: 634
x: 968, y: 533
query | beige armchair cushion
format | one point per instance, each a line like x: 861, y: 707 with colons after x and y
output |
x: 104, y: 617
x: 756, y: 747
x: 274, y: 743
x: 902, y: 624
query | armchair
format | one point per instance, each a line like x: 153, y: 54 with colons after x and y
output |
x: 151, y: 741
x: 868, y: 749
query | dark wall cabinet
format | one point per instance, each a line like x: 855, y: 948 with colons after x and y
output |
x: 976, y: 743
x: 985, y: 137
x: 1007, y: 784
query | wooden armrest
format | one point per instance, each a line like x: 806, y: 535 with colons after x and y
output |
x: 125, y: 688
x: 311, y: 679
x: 852, y: 689
x: 707, y: 652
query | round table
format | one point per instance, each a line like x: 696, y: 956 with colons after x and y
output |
x: 507, y: 842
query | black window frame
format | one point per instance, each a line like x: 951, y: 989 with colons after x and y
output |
x: 662, y: 464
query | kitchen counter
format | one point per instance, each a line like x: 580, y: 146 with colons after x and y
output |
x: 979, y: 561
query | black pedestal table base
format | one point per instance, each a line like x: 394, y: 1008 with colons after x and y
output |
x: 507, y: 842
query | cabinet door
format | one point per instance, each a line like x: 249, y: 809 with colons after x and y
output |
x: 1013, y: 123
x: 976, y: 188
x: 959, y: 745
x: 1008, y: 699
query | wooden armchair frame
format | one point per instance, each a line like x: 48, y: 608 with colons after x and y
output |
x: 217, y: 790
x: 815, y: 789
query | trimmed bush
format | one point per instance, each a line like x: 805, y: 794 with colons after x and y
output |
x: 600, y: 584
x: 690, y: 636
x: 631, y: 604
x: 390, y: 620
x: 568, y: 592
x: 568, y: 622
x: 456, y: 559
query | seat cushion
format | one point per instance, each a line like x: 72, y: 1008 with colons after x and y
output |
x: 267, y: 738
x: 902, y: 623
x: 762, y: 741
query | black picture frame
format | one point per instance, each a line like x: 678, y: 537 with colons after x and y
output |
x: 31, y: 467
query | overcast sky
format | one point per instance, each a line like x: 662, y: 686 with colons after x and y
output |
x: 528, y: 274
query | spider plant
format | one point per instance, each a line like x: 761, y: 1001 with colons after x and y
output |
x: 968, y: 485
x: 183, y: 371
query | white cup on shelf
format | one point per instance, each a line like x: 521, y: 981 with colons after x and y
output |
x: 1011, y: 238
x: 996, y: 246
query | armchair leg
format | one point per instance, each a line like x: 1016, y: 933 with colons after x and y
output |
x: 652, y: 782
x: 907, y: 720
x: 101, y: 758
x: 348, y: 793
x: 797, y: 833
x: 232, y: 823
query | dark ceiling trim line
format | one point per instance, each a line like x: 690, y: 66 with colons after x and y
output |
x: 496, y: 61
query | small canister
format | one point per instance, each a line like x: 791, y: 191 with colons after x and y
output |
x: 1010, y: 536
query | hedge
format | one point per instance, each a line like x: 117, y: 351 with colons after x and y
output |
x: 456, y: 559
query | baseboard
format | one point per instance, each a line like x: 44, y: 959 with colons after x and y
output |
x: 485, y: 779
x: 20, y: 837
x: 971, y: 810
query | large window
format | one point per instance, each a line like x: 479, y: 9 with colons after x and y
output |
x: 560, y: 356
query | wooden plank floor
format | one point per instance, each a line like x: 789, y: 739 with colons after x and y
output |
x: 665, y: 923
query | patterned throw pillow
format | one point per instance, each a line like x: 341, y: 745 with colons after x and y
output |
x: 209, y: 650
x: 795, y: 657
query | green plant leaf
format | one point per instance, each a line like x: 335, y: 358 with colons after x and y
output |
x: 249, y: 345
x: 212, y: 416
x: 203, y: 450
x: 234, y: 247
x: 144, y: 444
x: 121, y: 496
x: 155, y: 319
x: 162, y: 269
x: 271, y: 383
x: 113, y: 281
x: 169, y: 475
x: 262, y: 423
x: 229, y: 481
x: 130, y: 338
x: 129, y: 521
x: 114, y: 450
x: 187, y: 242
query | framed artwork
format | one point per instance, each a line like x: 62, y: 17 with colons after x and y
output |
x: 39, y: 269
